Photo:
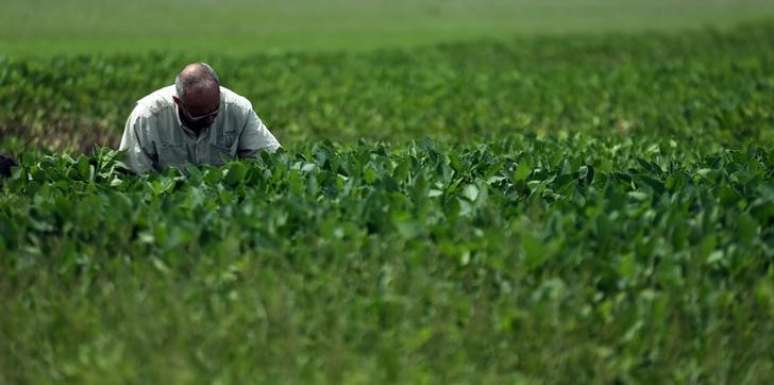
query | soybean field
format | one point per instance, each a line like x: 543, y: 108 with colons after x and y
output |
x: 497, y: 204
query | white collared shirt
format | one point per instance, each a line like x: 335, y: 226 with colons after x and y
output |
x: 154, y: 137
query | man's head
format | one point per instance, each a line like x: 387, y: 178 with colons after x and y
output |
x: 198, y: 95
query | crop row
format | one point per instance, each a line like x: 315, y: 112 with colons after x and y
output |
x: 641, y: 261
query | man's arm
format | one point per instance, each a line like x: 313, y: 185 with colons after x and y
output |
x: 255, y: 137
x: 134, y: 142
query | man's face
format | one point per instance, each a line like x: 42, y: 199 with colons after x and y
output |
x: 199, y: 109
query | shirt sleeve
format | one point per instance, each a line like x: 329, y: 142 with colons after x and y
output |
x: 139, y: 156
x: 255, y: 137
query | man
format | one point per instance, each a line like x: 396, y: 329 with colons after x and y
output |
x: 195, y: 121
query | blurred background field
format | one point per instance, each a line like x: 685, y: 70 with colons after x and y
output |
x: 700, y: 85
x: 43, y: 27
x: 71, y: 70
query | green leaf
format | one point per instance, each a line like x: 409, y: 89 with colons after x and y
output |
x: 522, y: 172
x: 235, y: 173
x: 535, y: 252
x: 470, y: 192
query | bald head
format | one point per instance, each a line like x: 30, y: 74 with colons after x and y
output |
x: 198, y: 87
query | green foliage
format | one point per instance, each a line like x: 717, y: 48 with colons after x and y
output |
x: 575, y: 260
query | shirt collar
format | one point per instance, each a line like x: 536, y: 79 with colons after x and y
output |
x: 177, y: 115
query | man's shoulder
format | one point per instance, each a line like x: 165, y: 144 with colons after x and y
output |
x: 155, y: 102
x: 232, y: 99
